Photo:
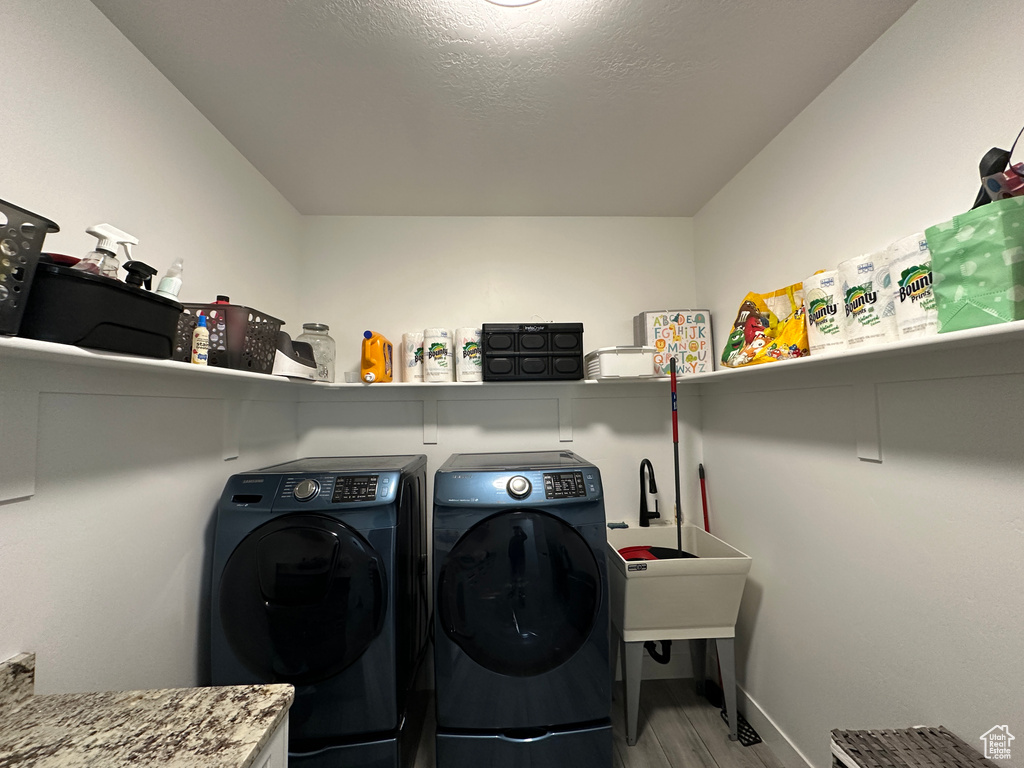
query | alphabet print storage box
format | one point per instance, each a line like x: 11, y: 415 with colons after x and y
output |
x: 978, y: 266
x: 681, y: 333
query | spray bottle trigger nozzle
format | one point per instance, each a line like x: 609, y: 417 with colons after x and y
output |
x: 139, y: 274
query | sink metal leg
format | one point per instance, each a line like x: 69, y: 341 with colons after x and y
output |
x: 613, y: 656
x: 698, y: 649
x: 632, y: 662
x: 727, y: 658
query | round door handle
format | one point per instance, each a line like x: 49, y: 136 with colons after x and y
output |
x: 519, y: 487
x: 306, y: 490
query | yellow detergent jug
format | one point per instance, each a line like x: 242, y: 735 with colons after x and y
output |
x: 377, y: 356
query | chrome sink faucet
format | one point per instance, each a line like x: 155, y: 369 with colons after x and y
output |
x: 645, y: 514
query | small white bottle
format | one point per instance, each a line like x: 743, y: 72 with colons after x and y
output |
x: 200, y: 342
x: 170, y: 283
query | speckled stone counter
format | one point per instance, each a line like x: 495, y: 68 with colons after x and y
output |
x: 223, y: 727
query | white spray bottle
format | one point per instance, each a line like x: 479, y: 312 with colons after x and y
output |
x: 103, y: 260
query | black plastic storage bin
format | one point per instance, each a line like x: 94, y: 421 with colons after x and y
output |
x: 241, y: 338
x: 21, y: 242
x: 542, y: 352
x: 73, y: 307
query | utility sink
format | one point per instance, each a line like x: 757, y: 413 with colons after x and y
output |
x: 694, y: 598
x: 677, y: 599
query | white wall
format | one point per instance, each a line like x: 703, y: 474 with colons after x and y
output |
x: 94, y: 133
x: 400, y: 274
x: 101, y: 571
x: 881, y: 595
x: 104, y: 571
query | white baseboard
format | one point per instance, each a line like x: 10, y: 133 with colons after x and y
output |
x: 785, y: 750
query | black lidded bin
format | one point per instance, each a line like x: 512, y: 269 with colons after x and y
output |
x: 21, y: 242
x: 68, y: 306
x: 532, y: 352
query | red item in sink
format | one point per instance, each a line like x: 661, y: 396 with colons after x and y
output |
x: 648, y: 552
x: 637, y: 553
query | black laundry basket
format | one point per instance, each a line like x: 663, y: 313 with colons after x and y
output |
x: 21, y: 241
x: 241, y: 338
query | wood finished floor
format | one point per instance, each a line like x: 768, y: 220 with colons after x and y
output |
x: 677, y: 728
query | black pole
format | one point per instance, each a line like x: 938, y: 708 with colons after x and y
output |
x: 675, y: 449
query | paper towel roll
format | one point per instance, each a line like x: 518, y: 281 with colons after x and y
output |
x: 468, y: 355
x: 869, y: 308
x: 910, y: 268
x: 826, y: 329
x: 412, y: 356
x: 438, y: 355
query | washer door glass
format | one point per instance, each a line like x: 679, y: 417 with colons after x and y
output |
x: 301, y: 598
x: 519, y: 593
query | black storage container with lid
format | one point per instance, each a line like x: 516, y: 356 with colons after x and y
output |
x: 69, y: 306
x: 532, y: 352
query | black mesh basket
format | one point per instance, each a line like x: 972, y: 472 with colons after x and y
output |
x: 21, y: 242
x: 240, y: 337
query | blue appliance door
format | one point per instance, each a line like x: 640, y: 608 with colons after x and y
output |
x: 522, y: 614
x: 301, y: 599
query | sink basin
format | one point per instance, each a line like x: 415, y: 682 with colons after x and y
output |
x: 677, y: 599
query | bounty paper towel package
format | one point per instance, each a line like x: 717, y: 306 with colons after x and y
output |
x: 438, y: 355
x: 468, y: 355
x: 910, y: 271
x: 412, y: 356
x: 826, y: 329
x: 869, y: 310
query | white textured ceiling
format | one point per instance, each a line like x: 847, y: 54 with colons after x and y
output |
x: 462, y: 107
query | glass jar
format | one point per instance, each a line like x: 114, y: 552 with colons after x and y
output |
x: 315, y: 334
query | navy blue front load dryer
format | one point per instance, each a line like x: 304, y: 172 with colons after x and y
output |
x: 521, y: 651
x: 319, y: 580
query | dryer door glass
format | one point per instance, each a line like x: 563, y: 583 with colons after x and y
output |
x: 519, y: 593
x: 301, y: 598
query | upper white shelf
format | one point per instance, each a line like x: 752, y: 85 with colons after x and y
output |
x: 973, y: 337
x: 14, y: 348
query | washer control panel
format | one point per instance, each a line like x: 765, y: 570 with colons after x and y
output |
x: 564, y: 485
x: 351, y: 488
x: 327, y: 490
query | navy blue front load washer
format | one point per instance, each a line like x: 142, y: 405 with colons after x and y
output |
x: 521, y: 649
x: 319, y: 580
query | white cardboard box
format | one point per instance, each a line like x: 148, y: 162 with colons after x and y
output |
x: 681, y: 333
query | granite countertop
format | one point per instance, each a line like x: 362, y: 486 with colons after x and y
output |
x: 219, y: 727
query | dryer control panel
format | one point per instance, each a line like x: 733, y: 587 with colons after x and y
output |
x: 564, y: 485
x: 527, y: 486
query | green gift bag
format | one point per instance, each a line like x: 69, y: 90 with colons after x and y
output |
x: 978, y: 266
